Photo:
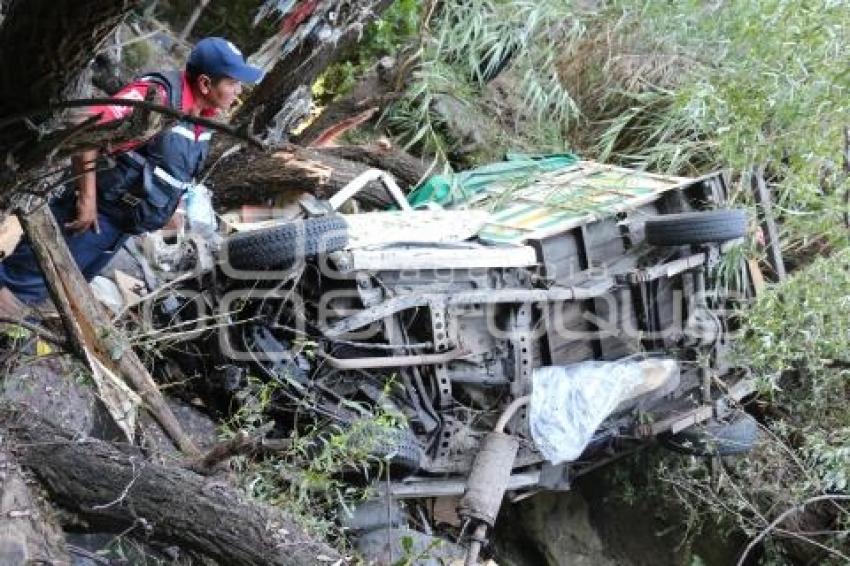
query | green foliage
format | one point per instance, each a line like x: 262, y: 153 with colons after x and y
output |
x: 730, y: 275
x: 681, y: 87
x: 385, y: 36
x: 803, y: 324
x: 798, y: 342
x: 138, y: 55
x: 413, y: 118
x: 748, y: 83
x: 412, y: 556
x: 253, y: 402
x: 307, y: 477
x: 757, y: 83
x: 828, y: 454
x: 479, y: 35
x: 762, y: 77
x: 393, y: 29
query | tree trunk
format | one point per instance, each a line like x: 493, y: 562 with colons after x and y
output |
x: 252, y: 176
x: 409, y: 171
x: 115, y: 490
x: 379, y: 87
x: 193, y: 19
x: 308, y: 55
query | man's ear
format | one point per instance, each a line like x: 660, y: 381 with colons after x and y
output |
x: 204, y: 84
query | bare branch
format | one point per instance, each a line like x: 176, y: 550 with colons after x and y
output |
x: 39, y: 331
x: 90, y: 134
x: 241, y: 443
x: 784, y: 515
x: 144, y: 104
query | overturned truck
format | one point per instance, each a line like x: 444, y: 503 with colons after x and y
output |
x: 528, y: 326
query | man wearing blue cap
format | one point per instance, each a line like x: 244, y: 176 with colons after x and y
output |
x: 143, y: 189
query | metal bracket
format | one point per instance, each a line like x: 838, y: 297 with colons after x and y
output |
x: 440, y: 333
x: 522, y: 344
x: 358, y: 183
x: 521, y: 341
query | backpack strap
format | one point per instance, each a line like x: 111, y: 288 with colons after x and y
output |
x: 172, y: 81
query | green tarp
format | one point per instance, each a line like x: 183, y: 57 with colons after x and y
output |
x: 451, y: 189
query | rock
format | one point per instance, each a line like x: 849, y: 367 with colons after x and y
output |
x: 382, y: 537
x: 60, y: 389
x: 460, y: 120
x: 198, y: 426
x: 549, y: 529
x: 371, y: 515
x: 652, y: 527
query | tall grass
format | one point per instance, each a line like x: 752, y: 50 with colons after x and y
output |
x: 765, y: 77
x: 466, y: 43
x: 680, y: 86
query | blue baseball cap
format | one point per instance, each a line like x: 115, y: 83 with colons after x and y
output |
x: 216, y: 56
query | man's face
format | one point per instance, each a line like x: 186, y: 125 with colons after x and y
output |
x: 221, y: 94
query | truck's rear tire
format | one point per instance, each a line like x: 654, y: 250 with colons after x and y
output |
x: 696, y: 227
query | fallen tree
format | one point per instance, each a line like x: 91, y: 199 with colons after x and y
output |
x: 312, y: 36
x: 379, y: 87
x: 87, y: 324
x: 115, y: 489
x: 252, y: 176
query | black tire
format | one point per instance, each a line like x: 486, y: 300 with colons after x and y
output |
x: 697, y: 227
x: 736, y: 435
x: 398, y: 446
x: 280, y: 246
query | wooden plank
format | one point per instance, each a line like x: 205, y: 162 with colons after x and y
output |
x: 768, y: 222
x: 756, y: 276
x: 681, y: 421
x: 91, y: 332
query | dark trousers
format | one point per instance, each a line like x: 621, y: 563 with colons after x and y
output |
x: 21, y: 274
